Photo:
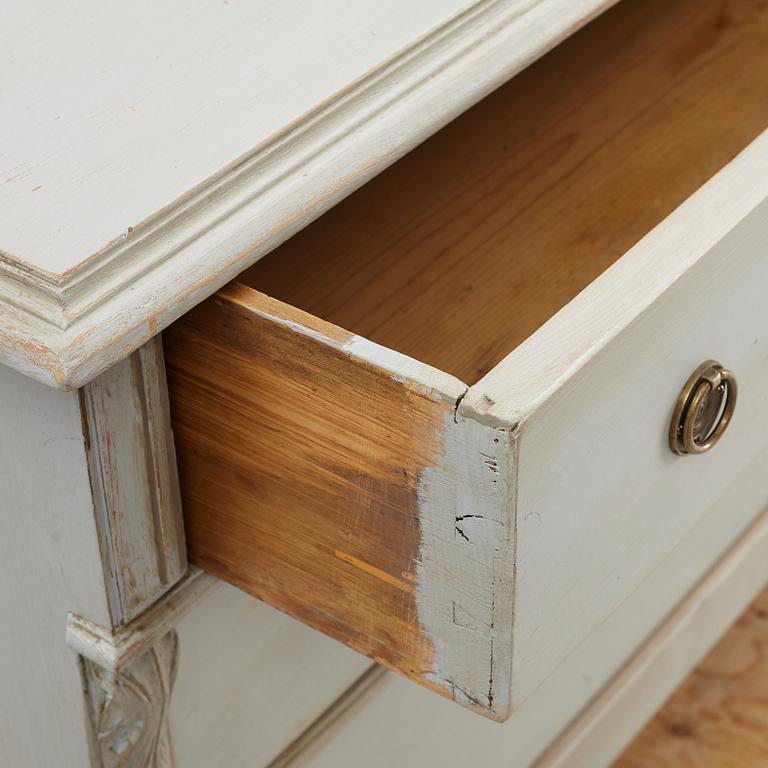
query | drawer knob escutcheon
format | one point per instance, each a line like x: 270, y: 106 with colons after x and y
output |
x: 703, y: 410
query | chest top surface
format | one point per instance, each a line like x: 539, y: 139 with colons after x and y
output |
x: 149, y: 152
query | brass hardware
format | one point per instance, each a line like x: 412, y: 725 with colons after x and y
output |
x: 700, y: 418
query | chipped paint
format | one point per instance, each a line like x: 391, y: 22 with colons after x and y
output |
x: 114, y: 649
x: 465, y: 570
x: 431, y: 382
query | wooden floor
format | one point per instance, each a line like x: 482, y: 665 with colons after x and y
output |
x: 718, y: 718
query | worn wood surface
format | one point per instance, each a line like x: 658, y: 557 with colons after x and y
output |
x: 459, y: 252
x: 601, y: 498
x: 115, y: 648
x: 143, y: 167
x: 225, y: 637
x: 330, y: 477
x: 718, y: 718
x: 591, y: 390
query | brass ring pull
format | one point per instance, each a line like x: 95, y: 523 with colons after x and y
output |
x: 703, y: 410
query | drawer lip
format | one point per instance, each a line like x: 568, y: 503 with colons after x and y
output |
x: 512, y: 391
x: 430, y: 380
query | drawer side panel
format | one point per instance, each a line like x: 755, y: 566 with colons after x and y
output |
x: 331, y: 478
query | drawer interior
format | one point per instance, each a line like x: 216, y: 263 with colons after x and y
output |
x: 462, y: 249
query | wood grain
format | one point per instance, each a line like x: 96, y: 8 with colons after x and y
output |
x: 313, y: 473
x: 718, y: 718
x: 420, y: 570
x: 460, y: 251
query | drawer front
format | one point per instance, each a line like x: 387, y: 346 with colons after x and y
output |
x: 601, y: 498
x: 244, y: 664
x: 473, y: 537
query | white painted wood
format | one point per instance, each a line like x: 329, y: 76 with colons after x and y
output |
x: 128, y: 677
x: 49, y: 564
x: 330, y: 716
x: 116, y: 649
x: 126, y: 202
x: 134, y: 480
x: 128, y: 710
x: 535, y: 524
x: 92, y: 527
x: 632, y: 698
x: 601, y: 500
x: 465, y: 570
x: 149, y: 85
x: 250, y: 681
x: 395, y: 723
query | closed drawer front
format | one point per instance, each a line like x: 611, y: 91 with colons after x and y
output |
x: 473, y: 535
x: 243, y: 663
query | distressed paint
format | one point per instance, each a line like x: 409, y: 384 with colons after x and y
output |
x: 128, y: 710
x: 65, y: 320
x: 114, y: 649
x: 132, y: 465
x: 457, y: 256
x: 465, y: 572
x: 584, y: 458
x: 431, y: 381
x: 583, y: 715
x: 128, y: 674
x: 601, y: 498
x: 51, y: 564
x: 55, y: 538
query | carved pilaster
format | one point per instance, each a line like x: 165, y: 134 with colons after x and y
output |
x: 128, y: 675
x: 128, y: 708
x: 132, y: 466
x: 129, y: 665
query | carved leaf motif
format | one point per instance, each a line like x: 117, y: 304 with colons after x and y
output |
x: 128, y: 709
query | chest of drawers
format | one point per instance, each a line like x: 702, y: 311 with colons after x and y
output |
x: 447, y: 424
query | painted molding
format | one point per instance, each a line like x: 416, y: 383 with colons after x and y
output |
x: 128, y: 709
x: 66, y: 329
x: 134, y: 482
x: 117, y: 649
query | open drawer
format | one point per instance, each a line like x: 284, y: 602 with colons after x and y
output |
x: 472, y: 535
